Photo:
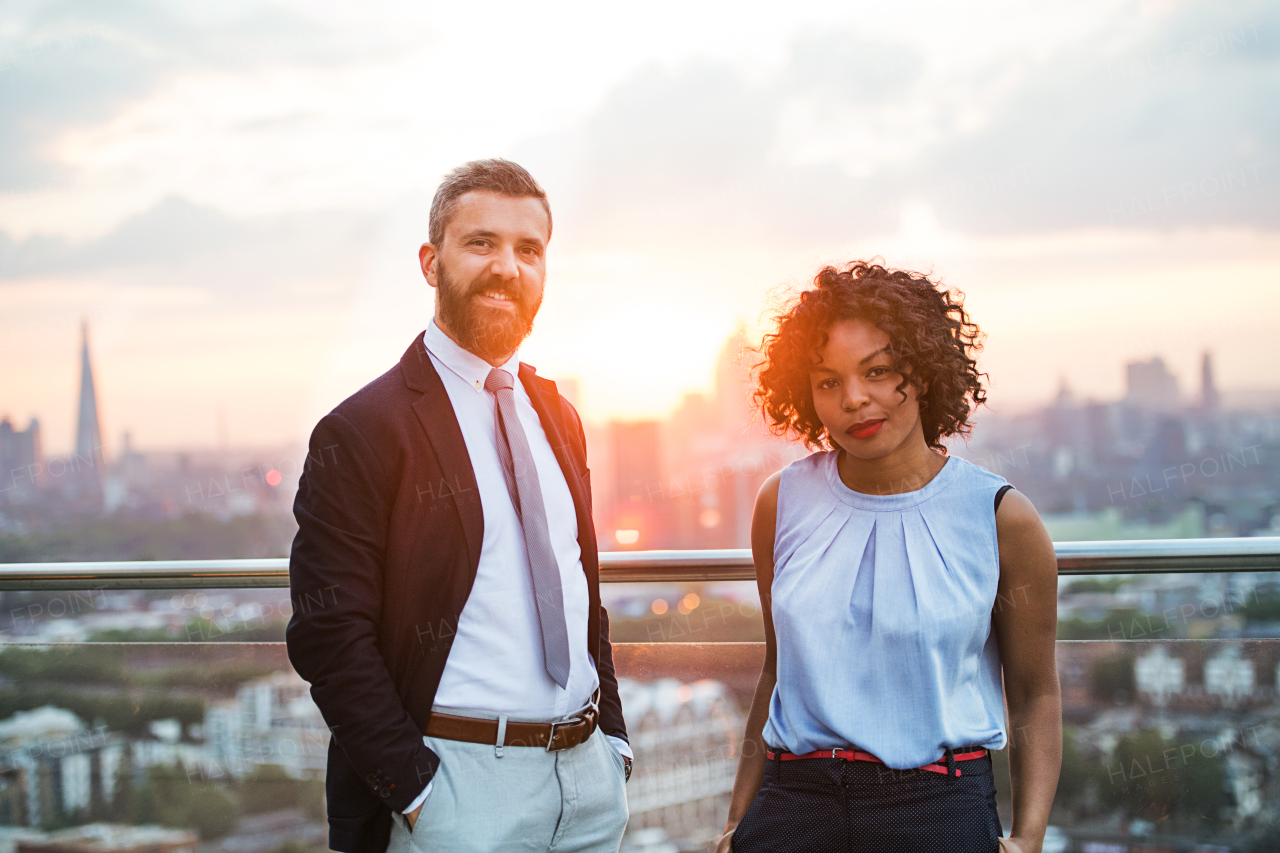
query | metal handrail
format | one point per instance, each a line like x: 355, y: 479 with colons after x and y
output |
x: 1137, y: 556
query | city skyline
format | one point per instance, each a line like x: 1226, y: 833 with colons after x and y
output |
x: 1163, y: 459
x: 83, y: 422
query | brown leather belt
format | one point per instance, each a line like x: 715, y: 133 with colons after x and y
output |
x: 550, y: 736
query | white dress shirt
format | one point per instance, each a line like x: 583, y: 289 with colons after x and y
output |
x: 496, y: 664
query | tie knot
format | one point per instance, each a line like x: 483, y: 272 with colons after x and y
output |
x: 498, y: 380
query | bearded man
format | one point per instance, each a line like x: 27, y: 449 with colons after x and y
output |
x: 445, y: 563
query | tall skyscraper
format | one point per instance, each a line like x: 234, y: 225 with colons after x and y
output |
x: 1208, y: 388
x: 89, y: 455
x: 734, y: 384
x: 1151, y: 385
x: 638, y: 509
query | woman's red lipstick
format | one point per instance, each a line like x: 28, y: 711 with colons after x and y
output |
x: 865, y: 429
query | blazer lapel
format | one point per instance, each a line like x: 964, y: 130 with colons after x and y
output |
x: 435, y: 414
x: 546, y: 401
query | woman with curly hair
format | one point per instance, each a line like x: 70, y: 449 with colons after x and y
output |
x: 907, y: 595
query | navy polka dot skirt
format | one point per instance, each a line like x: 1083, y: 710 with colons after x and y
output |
x: 829, y: 805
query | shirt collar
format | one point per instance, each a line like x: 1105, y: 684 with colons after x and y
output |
x: 470, y: 367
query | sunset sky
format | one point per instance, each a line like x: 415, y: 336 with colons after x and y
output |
x: 233, y: 193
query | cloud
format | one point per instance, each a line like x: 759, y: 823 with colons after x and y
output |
x: 1172, y: 131
x: 185, y: 243
x: 76, y: 64
x: 689, y: 158
x: 1173, y: 128
x: 173, y: 231
x: 1167, y: 127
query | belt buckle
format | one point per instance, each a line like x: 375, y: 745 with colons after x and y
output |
x: 551, y: 740
x: 587, y: 718
x: 555, y: 730
x: 556, y: 727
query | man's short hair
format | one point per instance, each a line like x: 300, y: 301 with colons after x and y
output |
x: 498, y: 176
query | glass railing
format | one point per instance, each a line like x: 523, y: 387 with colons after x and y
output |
x: 159, y: 694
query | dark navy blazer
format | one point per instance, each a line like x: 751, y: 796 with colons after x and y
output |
x: 389, y: 534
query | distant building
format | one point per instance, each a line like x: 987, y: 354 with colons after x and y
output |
x: 1229, y: 676
x: 1150, y: 385
x: 637, y: 449
x: 87, y: 462
x: 128, y: 471
x: 111, y: 838
x: 52, y: 766
x: 636, y: 515
x: 272, y: 720
x: 164, y: 747
x: 686, y: 739
x: 1159, y: 675
x: 1246, y: 780
x: 716, y: 454
x: 1209, y: 397
x: 734, y: 384
x: 21, y: 458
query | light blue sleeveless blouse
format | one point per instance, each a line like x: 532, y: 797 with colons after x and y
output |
x: 882, y: 610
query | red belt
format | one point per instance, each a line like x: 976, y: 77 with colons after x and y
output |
x: 856, y: 755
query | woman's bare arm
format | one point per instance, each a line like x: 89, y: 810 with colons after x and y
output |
x: 1026, y: 620
x: 752, y: 761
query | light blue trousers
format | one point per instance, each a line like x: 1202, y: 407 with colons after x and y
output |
x: 570, y: 801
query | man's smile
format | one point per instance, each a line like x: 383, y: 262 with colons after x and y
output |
x: 497, y: 298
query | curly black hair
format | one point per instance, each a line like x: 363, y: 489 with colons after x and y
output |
x: 931, y: 340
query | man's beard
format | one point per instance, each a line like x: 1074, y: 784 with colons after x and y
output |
x: 491, y: 333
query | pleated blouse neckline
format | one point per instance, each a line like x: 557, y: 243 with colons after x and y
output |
x: 887, y: 503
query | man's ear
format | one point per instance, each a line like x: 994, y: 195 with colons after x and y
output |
x: 427, y: 261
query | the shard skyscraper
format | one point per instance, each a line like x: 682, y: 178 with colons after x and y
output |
x: 88, y: 460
